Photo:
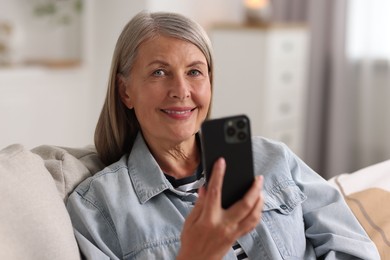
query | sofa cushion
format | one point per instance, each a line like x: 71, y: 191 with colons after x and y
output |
x: 367, y: 193
x: 69, y: 166
x: 34, y: 223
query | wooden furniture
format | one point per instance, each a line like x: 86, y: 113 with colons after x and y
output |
x: 261, y: 71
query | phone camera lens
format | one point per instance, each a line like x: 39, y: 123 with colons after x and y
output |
x: 241, y: 136
x: 231, y: 131
x: 241, y: 124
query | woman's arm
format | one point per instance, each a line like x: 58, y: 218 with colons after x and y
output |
x: 92, y: 231
x: 330, y: 225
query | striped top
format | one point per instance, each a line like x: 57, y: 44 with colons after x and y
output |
x: 191, y: 184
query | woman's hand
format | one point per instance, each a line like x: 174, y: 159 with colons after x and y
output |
x: 210, y: 231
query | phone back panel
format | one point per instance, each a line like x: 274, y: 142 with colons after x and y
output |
x: 229, y: 137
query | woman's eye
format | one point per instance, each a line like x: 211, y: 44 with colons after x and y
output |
x: 159, y: 73
x: 194, y: 72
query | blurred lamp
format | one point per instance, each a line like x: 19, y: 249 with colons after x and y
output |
x: 258, y: 11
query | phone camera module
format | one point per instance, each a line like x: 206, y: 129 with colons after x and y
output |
x: 236, y: 130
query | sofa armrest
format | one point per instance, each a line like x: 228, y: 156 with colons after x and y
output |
x: 367, y: 193
x: 34, y: 223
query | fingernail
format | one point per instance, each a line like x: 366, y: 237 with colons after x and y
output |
x: 221, y: 165
x: 222, y: 162
x: 261, y: 180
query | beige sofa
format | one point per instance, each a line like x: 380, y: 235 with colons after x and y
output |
x: 367, y: 193
x: 34, y: 223
x: 34, y: 184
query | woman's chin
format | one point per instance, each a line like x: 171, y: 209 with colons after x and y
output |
x: 183, y: 136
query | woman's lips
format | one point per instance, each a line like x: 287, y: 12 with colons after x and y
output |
x: 179, y: 113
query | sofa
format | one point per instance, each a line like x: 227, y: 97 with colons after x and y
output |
x: 35, y: 184
x: 367, y: 193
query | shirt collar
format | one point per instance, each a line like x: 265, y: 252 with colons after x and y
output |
x: 145, y: 173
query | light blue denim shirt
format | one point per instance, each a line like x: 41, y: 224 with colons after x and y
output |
x: 130, y: 210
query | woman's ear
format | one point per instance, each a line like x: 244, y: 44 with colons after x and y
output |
x: 122, y: 90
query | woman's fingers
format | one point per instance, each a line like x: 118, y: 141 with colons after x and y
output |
x: 205, y: 205
x: 253, y: 217
x: 197, y: 210
x: 214, y: 186
x: 241, y: 216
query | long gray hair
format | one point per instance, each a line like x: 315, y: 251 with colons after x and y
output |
x: 118, y: 126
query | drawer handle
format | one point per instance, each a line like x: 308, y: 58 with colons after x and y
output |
x: 285, y: 108
x: 287, y: 77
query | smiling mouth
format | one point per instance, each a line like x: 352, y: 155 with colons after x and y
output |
x: 177, y: 112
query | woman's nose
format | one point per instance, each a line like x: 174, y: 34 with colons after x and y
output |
x: 180, y: 88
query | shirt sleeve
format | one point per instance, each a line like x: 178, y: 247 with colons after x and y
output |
x: 95, y: 236
x: 330, y: 225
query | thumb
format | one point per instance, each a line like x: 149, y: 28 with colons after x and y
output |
x: 197, y: 210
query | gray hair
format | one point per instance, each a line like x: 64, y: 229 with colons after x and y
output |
x: 118, y: 126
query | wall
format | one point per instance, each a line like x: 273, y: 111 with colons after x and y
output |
x: 203, y: 11
x: 61, y: 106
x: 40, y: 106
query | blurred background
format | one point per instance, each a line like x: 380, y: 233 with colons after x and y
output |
x: 314, y: 74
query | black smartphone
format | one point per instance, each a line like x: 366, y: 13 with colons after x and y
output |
x: 230, y: 138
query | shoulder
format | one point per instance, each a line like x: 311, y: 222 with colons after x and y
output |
x: 265, y: 149
x: 107, y: 176
x: 274, y: 160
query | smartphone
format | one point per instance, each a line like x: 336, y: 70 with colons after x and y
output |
x: 230, y: 138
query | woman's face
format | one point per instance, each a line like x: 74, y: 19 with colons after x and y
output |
x: 168, y: 88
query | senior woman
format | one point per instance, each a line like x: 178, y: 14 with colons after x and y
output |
x: 150, y: 202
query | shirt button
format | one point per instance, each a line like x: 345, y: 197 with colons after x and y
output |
x: 284, y: 207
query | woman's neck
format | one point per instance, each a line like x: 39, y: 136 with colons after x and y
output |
x: 178, y: 160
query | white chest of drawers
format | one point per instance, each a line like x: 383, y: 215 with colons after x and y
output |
x: 262, y: 72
